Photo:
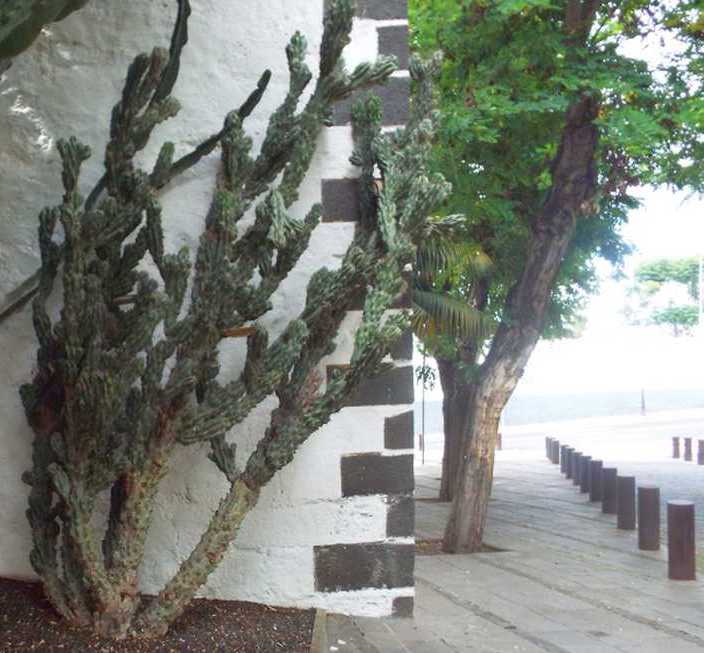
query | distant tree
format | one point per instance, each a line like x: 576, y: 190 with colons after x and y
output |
x: 546, y: 126
x: 681, y: 270
x: 650, y: 285
x: 681, y: 319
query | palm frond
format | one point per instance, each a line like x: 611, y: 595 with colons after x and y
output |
x: 439, y: 257
x: 437, y: 313
x: 447, y: 252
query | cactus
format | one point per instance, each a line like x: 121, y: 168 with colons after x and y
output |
x: 128, y: 372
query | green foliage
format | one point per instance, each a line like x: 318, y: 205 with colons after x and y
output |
x: 653, y: 274
x: 444, y: 255
x: 510, y: 72
x: 650, y: 281
x: 437, y: 313
x: 681, y: 319
x: 128, y: 371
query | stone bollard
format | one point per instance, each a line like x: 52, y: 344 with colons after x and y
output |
x: 648, y: 517
x: 688, y: 449
x: 563, y: 458
x: 626, y: 502
x: 700, y: 452
x: 595, y: 491
x: 548, y: 448
x: 680, y: 541
x: 675, y: 447
x: 576, y: 467
x: 569, y: 452
x: 609, y: 494
x: 584, y: 475
x: 555, y: 452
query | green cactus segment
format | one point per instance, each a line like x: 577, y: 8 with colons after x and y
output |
x: 129, y: 370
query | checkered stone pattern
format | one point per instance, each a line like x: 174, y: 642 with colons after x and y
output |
x: 386, y: 473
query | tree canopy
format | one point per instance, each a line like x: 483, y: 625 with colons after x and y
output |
x: 552, y: 112
x: 660, y: 271
x: 655, y: 305
x: 509, y: 76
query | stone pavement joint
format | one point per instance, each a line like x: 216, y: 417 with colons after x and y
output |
x: 631, y: 616
x: 565, y: 580
x: 493, y: 618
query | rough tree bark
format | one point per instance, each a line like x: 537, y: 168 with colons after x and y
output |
x: 458, y: 386
x: 455, y: 415
x: 574, y: 186
x: 573, y: 190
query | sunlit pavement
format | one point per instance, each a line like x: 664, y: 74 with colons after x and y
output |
x: 567, y: 579
x: 639, y: 446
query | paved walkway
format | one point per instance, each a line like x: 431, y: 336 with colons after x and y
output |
x: 567, y: 580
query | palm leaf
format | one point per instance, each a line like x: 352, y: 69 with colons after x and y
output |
x: 446, y: 251
x: 437, y: 313
x: 439, y: 257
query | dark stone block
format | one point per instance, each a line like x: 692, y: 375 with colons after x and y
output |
x: 394, y: 98
x: 402, y: 606
x: 389, y: 388
x: 403, y: 347
x: 393, y: 40
x: 382, y: 9
x: 372, y: 473
x: 340, y: 200
x: 401, y: 517
x: 340, y: 567
x: 398, y: 431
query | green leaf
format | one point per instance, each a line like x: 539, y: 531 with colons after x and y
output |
x: 437, y: 313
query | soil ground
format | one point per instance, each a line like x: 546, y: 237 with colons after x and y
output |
x: 29, y: 623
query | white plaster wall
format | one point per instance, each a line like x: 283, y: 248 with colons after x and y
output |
x: 66, y: 84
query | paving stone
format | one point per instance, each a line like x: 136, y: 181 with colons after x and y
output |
x: 569, y: 582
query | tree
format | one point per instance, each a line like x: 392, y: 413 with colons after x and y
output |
x: 446, y: 266
x: 546, y: 126
x: 681, y: 319
x: 651, y: 279
x: 128, y: 371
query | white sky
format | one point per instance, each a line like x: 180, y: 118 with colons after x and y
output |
x: 611, y: 355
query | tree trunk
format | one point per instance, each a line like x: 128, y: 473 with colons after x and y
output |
x: 457, y: 394
x: 572, y: 192
x: 466, y: 526
x: 456, y: 398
